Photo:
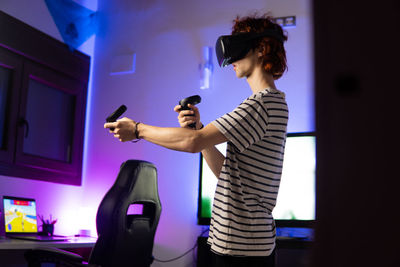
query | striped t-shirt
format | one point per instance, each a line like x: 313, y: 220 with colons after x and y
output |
x: 247, y: 188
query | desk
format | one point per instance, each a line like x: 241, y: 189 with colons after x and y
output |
x: 12, y: 250
x: 289, y: 252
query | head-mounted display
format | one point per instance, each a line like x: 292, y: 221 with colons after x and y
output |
x: 230, y: 48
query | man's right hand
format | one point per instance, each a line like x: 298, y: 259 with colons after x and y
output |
x: 187, y: 117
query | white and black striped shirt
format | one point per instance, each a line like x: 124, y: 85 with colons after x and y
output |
x: 242, y: 222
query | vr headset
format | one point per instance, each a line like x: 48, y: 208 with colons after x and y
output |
x: 230, y: 48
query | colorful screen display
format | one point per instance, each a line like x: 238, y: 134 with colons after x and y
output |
x: 19, y: 215
x: 296, y: 197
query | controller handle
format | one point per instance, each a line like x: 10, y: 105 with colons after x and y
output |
x: 116, y: 114
x: 193, y: 100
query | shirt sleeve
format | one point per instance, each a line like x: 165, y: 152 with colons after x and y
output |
x: 245, y: 125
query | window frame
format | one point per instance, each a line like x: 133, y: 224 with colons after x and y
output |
x: 13, y: 63
x: 49, y: 60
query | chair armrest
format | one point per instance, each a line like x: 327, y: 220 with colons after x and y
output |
x: 46, y: 254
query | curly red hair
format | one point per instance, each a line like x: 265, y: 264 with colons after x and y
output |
x: 274, y: 54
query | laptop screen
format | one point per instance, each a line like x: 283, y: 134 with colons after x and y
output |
x: 19, y: 215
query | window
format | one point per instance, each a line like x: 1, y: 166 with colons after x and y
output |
x: 43, y: 87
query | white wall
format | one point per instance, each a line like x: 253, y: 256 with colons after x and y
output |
x: 167, y: 37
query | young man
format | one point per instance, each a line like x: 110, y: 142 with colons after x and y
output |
x: 242, y: 230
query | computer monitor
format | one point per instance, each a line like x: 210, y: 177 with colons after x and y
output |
x: 296, y: 198
x: 19, y: 215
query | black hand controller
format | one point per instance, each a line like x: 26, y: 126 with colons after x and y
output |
x: 193, y: 100
x: 116, y: 114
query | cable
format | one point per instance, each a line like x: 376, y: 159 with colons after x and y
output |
x: 184, y: 254
x: 174, y: 259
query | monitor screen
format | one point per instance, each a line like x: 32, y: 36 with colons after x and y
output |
x: 296, y: 198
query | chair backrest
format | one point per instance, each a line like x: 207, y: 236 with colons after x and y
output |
x: 127, y: 239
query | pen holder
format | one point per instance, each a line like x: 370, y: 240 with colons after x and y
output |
x: 47, y: 226
x: 47, y: 229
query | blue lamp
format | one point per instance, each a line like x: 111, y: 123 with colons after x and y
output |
x: 206, y: 68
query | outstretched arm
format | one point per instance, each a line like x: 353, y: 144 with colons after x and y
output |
x: 180, y: 139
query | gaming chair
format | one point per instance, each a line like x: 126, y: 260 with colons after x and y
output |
x: 123, y: 239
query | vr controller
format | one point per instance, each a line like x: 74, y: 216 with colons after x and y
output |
x: 193, y: 100
x: 116, y: 114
